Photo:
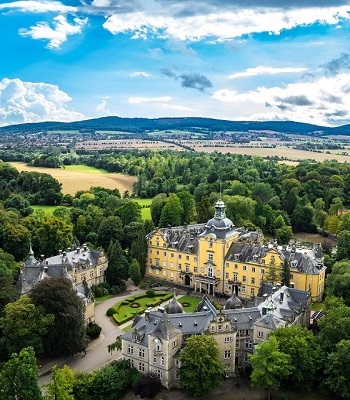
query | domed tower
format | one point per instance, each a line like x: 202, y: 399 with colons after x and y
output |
x: 174, y: 307
x: 233, y: 302
x: 220, y: 225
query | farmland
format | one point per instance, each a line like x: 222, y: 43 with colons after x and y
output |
x: 77, y: 177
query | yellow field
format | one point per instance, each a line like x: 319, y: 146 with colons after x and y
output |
x: 72, y: 181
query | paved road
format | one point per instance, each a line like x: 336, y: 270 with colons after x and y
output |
x: 97, y: 353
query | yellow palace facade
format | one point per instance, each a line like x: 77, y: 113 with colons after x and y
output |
x: 216, y: 256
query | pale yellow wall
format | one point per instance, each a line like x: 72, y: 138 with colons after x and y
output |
x: 174, y: 264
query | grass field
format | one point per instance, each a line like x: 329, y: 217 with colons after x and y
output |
x: 80, y: 177
x: 145, y: 211
x: 48, y: 209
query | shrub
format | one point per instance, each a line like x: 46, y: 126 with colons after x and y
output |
x: 93, y: 330
x: 104, y: 285
x: 148, y: 386
x: 111, y: 311
x: 124, y: 302
x: 98, y: 292
x: 150, y: 293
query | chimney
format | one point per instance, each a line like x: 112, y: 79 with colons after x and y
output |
x: 147, y: 315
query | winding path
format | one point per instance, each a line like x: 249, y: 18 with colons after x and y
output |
x: 97, y: 353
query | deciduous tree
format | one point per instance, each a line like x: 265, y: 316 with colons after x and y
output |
x: 67, y: 335
x: 270, y: 366
x: 19, y: 377
x: 61, y: 384
x: 201, y: 369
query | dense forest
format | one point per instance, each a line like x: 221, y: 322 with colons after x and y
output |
x: 278, y: 199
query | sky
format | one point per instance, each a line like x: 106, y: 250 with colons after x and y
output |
x: 67, y: 60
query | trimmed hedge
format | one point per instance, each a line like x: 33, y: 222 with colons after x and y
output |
x: 111, y: 311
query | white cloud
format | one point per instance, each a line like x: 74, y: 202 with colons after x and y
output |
x: 22, y: 102
x: 265, y: 70
x: 139, y: 74
x: 101, y: 3
x: 56, y: 35
x: 174, y: 107
x: 38, y: 6
x: 102, y: 106
x: 325, y: 101
x: 220, y: 25
x: 139, y: 100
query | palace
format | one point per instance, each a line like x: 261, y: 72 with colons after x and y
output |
x: 216, y: 256
x: 155, y: 341
x: 84, y: 267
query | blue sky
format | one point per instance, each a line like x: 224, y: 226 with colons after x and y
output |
x: 67, y: 60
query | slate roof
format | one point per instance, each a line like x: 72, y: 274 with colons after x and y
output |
x: 243, y: 318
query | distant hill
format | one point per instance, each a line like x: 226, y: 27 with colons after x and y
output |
x: 144, y: 125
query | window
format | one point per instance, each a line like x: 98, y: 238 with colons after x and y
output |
x: 237, y: 343
x: 260, y: 334
x: 210, y: 244
x: 172, y: 265
x: 174, y: 343
x: 235, y: 277
x: 172, y: 255
x: 253, y: 281
x: 253, y: 269
x: 248, y: 344
x: 227, y: 275
x: 150, y: 270
x: 179, y: 266
x: 195, y: 259
x: 172, y: 275
x: 164, y: 273
x: 227, y: 354
x: 154, y: 359
x: 187, y: 267
x: 228, y: 339
x: 227, y: 265
x: 130, y: 349
x: 210, y: 256
x: 243, y: 289
x: 179, y: 256
x: 244, y: 267
x: 131, y: 363
x: 262, y: 271
x: 142, y: 353
x: 141, y: 367
x: 195, y: 270
x: 157, y: 253
x: 187, y: 258
x: 244, y: 278
x: 210, y: 272
x: 159, y: 373
x: 162, y: 361
x: 246, y: 357
x: 164, y: 263
x: 252, y: 291
x: 91, y: 274
x: 164, y: 253
x: 157, y: 262
x: 236, y: 266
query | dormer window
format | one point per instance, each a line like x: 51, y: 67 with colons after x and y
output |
x: 294, y: 263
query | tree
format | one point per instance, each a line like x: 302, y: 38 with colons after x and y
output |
x: 67, y: 335
x: 139, y: 250
x: 157, y: 205
x: 338, y: 282
x: 320, y: 214
x: 15, y: 240
x: 335, y: 325
x: 270, y: 366
x: 239, y: 209
x: 130, y: 211
x: 285, y: 276
x: 337, y: 370
x: 343, y: 246
x: 116, y: 345
x: 305, y: 355
x: 7, y: 288
x: 111, y: 228
x: 205, y: 210
x: 25, y: 325
x: 284, y: 234
x: 134, y: 271
x: 272, y: 272
x: 187, y: 203
x: 61, y: 384
x: 19, y: 203
x: 148, y: 386
x: 172, y: 212
x: 117, y: 264
x: 201, y: 369
x: 19, y: 377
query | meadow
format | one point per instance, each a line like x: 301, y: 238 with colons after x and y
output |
x: 81, y: 177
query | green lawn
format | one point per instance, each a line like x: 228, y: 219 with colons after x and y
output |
x: 84, y: 168
x: 48, y: 209
x: 125, y: 310
x: 145, y: 211
x: 317, y: 306
x: 192, y: 301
